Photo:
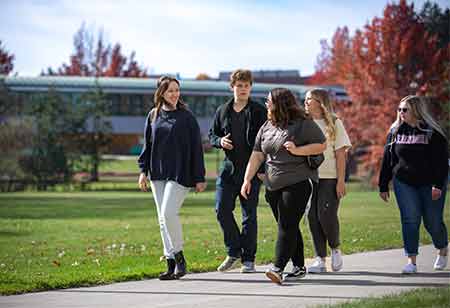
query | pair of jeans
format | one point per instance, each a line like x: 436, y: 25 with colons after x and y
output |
x: 415, y: 203
x: 239, y: 243
x: 169, y: 197
x: 323, y: 217
x: 288, y: 205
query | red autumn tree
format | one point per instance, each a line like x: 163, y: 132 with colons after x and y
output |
x: 93, y: 57
x: 6, y: 61
x: 393, y: 56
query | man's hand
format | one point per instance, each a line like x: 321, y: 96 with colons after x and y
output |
x: 435, y: 193
x: 226, y: 143
x: 384, y: 195
x: 142, y: 182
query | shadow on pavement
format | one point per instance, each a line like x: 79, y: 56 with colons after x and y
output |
x: 206, y: 294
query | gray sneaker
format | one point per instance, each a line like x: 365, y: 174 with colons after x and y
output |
x: 248, y: 267
x: 228, y: 264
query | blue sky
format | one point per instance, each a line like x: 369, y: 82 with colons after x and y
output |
x: 185, y: 37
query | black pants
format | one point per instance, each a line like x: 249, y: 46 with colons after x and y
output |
x: 288, y: 206
x: 323, y: 217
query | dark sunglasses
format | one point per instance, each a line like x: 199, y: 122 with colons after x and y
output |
x: 404, y: 110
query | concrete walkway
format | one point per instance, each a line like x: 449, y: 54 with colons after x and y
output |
x: 364, y: 274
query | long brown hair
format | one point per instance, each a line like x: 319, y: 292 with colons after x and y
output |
x: 158, y: 99
x: 284, y: 108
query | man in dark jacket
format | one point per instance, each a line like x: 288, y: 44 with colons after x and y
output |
x: 234, y: 129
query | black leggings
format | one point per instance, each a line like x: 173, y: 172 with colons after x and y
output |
x: 288, y: 206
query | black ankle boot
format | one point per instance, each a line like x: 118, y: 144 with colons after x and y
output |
x: 180, y: 270
x: 169, y: 274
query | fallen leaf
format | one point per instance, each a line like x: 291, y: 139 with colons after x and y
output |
x: 56, y: 263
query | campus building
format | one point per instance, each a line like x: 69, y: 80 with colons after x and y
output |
x: 131, y: 99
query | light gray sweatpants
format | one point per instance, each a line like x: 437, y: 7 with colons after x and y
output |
x: 169, y: 197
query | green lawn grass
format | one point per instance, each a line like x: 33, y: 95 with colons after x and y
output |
x: 66, y: 239
x: 418, y: 298
x: 212, y: 161
x: 128, y: 165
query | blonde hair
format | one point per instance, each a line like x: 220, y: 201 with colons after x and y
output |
x: 322, y: 96
x: 419, y: 109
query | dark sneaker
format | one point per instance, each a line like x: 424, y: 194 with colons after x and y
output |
x: 228, y: 264
x: 248, y: 267
x: 296, y: 274
x: 275, y: 274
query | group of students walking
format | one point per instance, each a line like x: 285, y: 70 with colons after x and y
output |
x: 299, y: 154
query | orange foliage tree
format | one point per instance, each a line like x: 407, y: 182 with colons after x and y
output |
x: 203, y: 76
x: 98, y: 59
x: 393, y: 56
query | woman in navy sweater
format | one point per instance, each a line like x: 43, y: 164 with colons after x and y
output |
x: 172, y: 159
x: 416, y: 158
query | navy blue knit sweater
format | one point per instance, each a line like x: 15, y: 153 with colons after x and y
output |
x: 173, y: 149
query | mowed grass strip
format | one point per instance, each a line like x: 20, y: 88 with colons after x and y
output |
x: 212, y: 159
x: 418, y: 298
x: 68, y: 239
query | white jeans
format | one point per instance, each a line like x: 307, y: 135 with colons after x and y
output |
x: 169, y: 197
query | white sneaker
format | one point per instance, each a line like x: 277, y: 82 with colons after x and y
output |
x: 318, y: 266
x: 440, y: 263
x: 336, y: 260
x: 409, y: 269
x: 248, y: 267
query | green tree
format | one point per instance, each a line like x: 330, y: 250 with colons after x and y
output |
x: 437, y: 22
x: 96, y: 136
x: 47, y: 162
x: 15, y: 138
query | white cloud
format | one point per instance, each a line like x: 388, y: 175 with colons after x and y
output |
x: 181, y: 36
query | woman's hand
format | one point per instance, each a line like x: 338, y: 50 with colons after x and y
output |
x: 290, y: 146
x: 246, y: 188
x: 142, y: 182
x: 199, y: 187
x: 305, y: 150
x: 340, y: 189
x: 435, y: 193
x: 384, y: 195
x: 261, y: 177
